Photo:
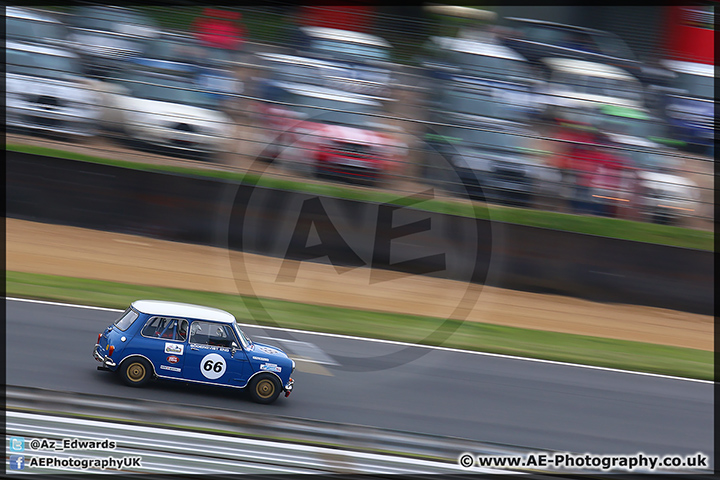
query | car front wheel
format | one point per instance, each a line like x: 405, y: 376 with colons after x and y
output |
x: 265, y: 389
x: 136, y: 372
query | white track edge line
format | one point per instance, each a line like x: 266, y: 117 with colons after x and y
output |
x: 404, y: 344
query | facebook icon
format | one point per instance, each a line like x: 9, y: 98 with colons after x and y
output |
x: 17, y: 462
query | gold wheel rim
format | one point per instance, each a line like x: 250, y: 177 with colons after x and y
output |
x: 265, y: 388
x: 136, y: 372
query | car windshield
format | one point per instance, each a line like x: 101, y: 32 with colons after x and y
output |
x: 485, y: 139
x: 613, y: 45
x: 36, y: 64
x: 173, y: 50
x: 32, y: 30
x: 652, y: 161
x: 244, y: 339
x: 475, y: 97
x: 617, y: 120
x: 468, y: 98
x: 628, y: 121
x: 542, y: 34
x: 167, y: 90
x: 696, y: 85
x: 602, y: 86
x: 568, y: 37
x: 218, y: 56
x: 116, y: 20
x: 490, y: 67
x: 352, y: 49
x: 341, y: 113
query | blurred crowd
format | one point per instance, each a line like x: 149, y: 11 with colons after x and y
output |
x: 506, y: 110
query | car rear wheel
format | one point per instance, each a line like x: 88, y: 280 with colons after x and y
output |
x: 136, y: 372
x: 265, y: 389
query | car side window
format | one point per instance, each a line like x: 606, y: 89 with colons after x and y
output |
x: 209, y: 333
x: 126, y: 319
x: 166, y: 328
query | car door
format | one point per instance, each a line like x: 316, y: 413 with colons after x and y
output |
x: 162, y: 340
x: 214, y: 356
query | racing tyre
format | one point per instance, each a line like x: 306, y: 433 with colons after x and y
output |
x: 136, y: 372
x: 265, y: 389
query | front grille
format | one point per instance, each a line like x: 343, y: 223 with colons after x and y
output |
x: 509, y: 173
x: 351, y: 148
x: 661, y: 194
x: 47, y: 102
x: 44, y: 121
x: 183, y: 143
x: 184, y: 127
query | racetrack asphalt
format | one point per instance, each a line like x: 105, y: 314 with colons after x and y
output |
x: 474, y: 396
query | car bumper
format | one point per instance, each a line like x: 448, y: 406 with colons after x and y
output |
x: 348, y: 169
x: 58, y: 123
x: 166, y: 142
x: 104, y: 359
x: 289, y: 387
x: 667, y: 206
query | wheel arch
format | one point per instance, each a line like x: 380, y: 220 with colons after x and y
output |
x: 263, y: 372
x: 137, y: 355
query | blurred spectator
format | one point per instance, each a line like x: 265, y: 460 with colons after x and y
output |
x: 583, y: 159
x: 604, y: 180
x: 572, y: 136
x: 219, y: 29
x: 589, y: 167
x: 356, y: 15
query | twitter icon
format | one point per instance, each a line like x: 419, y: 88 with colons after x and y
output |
x: 17, y: 444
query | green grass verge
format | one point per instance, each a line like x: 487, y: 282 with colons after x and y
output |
x: 606, y: 227
x: 563, y: 347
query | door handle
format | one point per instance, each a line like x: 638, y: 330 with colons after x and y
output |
x: 194, y: 348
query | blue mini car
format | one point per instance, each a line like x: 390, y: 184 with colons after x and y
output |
x: 191, y: 343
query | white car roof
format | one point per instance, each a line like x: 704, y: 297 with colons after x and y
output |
x: 327, y: 93
x: 182, y: 310
x: 582, y: 67
x: 25, y: 14
x: 296, y: 60
x: 461, y: 12
x: 488, y: 49
x: 26, y: 47
x: 346, y: 36
x: 693, y: 68
x: 564, y: 26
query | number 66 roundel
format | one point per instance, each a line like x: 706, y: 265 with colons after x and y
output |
x: 212, y: 366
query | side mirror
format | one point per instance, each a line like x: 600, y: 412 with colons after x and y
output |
x: 233, y: 348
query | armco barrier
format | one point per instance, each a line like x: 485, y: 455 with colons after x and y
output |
x: 256, y: 425
x: 336, y: 438
x: 259, y: 220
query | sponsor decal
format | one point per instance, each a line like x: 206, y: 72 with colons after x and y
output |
x: 270, y: 367
x: 203, y: 346
x: 173, y: 359
x: 172, y: 369
x: 175, y: 348
x: 269, y: 351
x: 262, y: 359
